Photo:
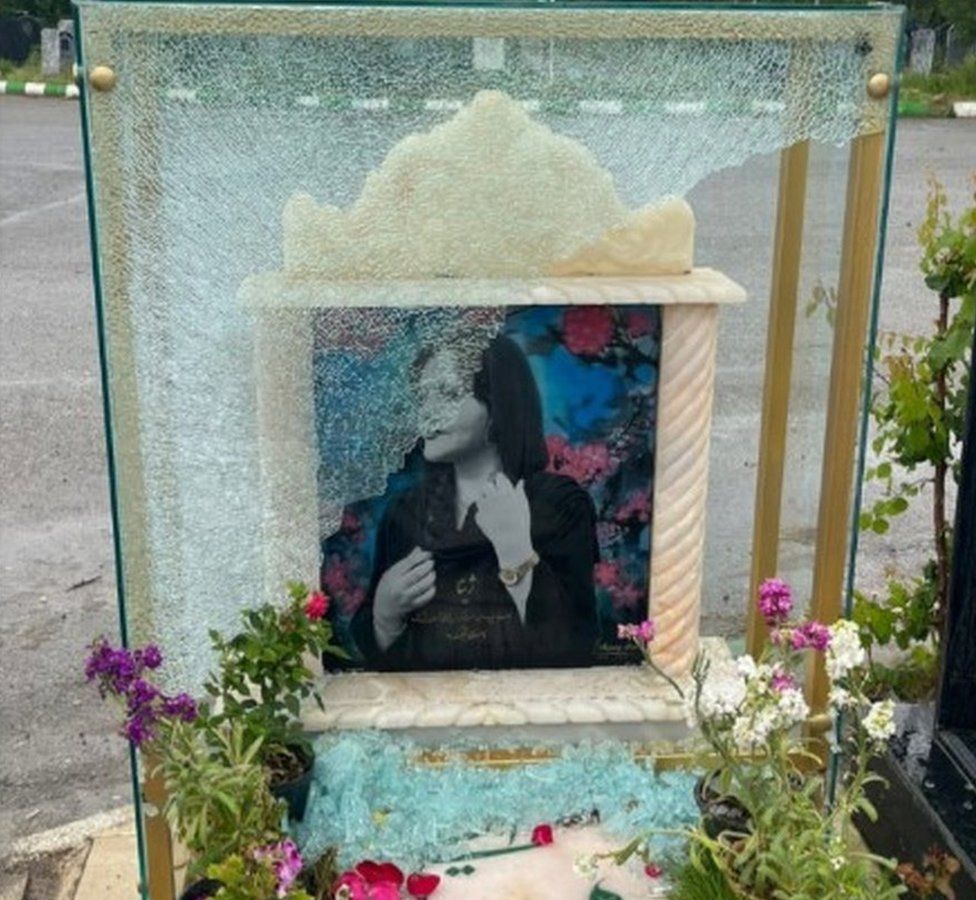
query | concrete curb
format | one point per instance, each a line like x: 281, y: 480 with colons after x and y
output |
x: 67, y: 836
x: 964, y: 109
x: 39, y: 89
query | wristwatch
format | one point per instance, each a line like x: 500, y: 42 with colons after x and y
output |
x: 511, y: 577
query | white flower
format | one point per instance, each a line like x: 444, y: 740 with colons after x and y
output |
x: 845, y: 651
x: 753, y: 729
x: 879, y: 723
x: 792, y: 707
x: 746, y: 666
x: 837, y: 862
x: 722, y: 696
x: 839, y: 699
x: 586, y: 866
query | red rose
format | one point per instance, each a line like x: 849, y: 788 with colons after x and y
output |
x: 587, y: 329
x: 542, y: 835
x: 316, y: 606
x: 653, y: 870
x: 420, y: 885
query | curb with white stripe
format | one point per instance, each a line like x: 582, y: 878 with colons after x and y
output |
x: 39, y: 89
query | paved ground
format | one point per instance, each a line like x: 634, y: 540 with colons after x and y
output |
x: 58, y: 758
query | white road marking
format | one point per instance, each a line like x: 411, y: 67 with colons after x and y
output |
x: 22, y: 214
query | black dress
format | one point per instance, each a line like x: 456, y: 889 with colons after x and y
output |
x: 472, y: 621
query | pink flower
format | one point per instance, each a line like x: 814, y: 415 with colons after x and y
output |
x: 350, y: 886
x: 775, y: 600
x: 542, y: 835
x: 814, y: 635
x: 782, y: 681
x: 653, y: 870
x: 587, y: 329
x: 645, y: 631
x: 636, y: 506
x: 638, y: 324
x: 316, y: 606
x: 422, y: 885
x: 286, y: 863
x: 606, y: 573
x: 585, y: 464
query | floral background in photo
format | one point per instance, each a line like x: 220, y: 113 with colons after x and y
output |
x: 596, y: 368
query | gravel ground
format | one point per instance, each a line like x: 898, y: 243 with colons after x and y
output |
x: 58, y: 758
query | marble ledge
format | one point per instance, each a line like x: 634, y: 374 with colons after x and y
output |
x: 272, y: 291
x: 628, y: 702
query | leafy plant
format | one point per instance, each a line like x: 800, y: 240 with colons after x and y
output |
x: 700, y: 878
x: 217, y: 792
x: 261, y: 678
x: 918, y: 410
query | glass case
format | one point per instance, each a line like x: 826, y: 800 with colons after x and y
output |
x: 630, y: 248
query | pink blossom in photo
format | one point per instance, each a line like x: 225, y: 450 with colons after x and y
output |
x: 585, y: 464
x: 636, y: 507
x: 587, y: 329
x: 639, y: 324
x: 606, y: 573
x: 775, y: 600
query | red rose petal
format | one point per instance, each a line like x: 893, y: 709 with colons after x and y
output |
x: 542, y: 835
x: 420, y: 885
x: 378, y: 873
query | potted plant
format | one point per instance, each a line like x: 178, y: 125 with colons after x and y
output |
x: 261, y: 680
x: 767, y: 828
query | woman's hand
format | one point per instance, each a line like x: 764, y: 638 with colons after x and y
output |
x: 502, y: 513
x: 404, y: 587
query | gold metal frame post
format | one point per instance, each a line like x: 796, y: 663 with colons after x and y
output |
x: 787, y: 252
x: 857, y: 267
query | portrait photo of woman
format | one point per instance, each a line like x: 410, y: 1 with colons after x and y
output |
x: 488, y: 562
x: 510, y: 525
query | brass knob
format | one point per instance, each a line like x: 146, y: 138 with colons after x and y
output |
x: 879, y: 85
x: 102, y: 78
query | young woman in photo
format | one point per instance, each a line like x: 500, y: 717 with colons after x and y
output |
x: 488, y: 562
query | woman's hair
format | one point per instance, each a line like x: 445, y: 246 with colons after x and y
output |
x: 506, y: 386
x: 504, y: 383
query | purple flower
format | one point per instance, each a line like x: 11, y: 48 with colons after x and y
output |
x: 182, y: 706
x: 152, y: 657
x: 115, y: 668
x: 141, y: 694
x: 811, y: 634
x: 139, y: 729
x: 775, y: 601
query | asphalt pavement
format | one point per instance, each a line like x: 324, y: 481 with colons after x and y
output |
x: 59, y: 759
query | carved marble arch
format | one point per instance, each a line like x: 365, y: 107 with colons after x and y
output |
x: 393, y: 247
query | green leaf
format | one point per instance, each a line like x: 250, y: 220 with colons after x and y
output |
x: 600, y: 893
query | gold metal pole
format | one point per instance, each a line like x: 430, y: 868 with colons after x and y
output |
x: 787, y: 250
x: 864, y: 184
x: 158, y: 840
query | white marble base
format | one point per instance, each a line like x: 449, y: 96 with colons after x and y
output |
x: 625, y: 702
